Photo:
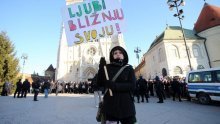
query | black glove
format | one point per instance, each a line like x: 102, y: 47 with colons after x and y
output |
x: 102, y: 62
x: 110, y: 84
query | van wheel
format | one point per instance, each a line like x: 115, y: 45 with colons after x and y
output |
x: 204, y: 99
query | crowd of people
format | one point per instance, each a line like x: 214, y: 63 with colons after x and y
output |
x: 71, y: 87
x: 163, y: 87
x: 46, y: 86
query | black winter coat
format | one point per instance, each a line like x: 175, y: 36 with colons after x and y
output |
x: 94, y: 85
x: 26, y: 85
x: 19, y: 85
x: 175, y: 86
x: 36, y: 85
x: 121, y: 104
x: 46, y: 85
x: 158, y: 86
x: 143, y: 85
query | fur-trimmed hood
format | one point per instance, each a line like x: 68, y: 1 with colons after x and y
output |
x: 125, y: 61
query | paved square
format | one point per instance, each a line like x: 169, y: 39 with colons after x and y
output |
x: 80, y: 109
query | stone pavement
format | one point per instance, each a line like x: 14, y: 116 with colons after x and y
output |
x: 80, y: 109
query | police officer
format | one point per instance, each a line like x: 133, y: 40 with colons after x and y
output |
x: 142, y: 89
x: 159, y: 89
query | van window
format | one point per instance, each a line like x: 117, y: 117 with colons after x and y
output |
x: 218, y: 76
x: 207, y: 76
x: 200, y: 77
x: 195, y: 77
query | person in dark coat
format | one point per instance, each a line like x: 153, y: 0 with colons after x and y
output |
x: 163, y: 90
x: 46, y: 88
x: 137, y: 91
x: 4, y: 92
x: 176, y: 89
x: 167, y: 88
x: 6, y: 89
x: 120, y: 106
x: 142, y: 89
x: 159, y: 89
x: 36, y: 88
x: 25, y: 88
x: 151, y: 87
x: 18, y: 88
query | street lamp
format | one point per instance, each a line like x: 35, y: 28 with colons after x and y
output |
x: 176, y: 4
x: 137, y: 50
x: 24, y: 57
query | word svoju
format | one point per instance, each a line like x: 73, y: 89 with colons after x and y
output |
x: 90, y: 35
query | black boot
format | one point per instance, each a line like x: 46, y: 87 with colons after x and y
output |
x: 160, y: 102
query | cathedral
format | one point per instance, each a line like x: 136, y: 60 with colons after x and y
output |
x: 80, y: 62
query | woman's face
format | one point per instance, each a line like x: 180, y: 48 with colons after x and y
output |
x: 118, y: 55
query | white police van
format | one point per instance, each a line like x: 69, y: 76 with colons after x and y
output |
x: 204, y: 84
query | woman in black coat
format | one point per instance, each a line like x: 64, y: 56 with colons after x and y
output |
x: 120, y: 106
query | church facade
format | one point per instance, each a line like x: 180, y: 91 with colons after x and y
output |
x: 167, y: 54
x: 80, y: 62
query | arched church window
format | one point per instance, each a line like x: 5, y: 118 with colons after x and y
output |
x: 196, y: 51
x: 174, y: 51
x: 177, y: 70
x: 161, y: 55
x: 71, y: 68
x: 184, y: 53
x: 153, y: 58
